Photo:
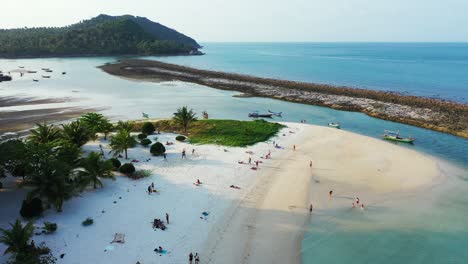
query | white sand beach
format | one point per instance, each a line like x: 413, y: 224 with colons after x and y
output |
x: 263, y: 222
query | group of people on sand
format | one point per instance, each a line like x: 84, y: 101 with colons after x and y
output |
x: 195, y: 258
x: 355, y: 204
x: 158, y: 223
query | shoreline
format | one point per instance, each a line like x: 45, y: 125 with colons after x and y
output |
x: 438, y: 115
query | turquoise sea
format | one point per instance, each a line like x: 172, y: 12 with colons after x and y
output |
x: 427, y: 228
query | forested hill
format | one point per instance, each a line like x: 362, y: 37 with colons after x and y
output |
x: 102, y: 35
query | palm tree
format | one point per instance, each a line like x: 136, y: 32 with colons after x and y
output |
x: 17, y: 238
x: 94, y: 167
x: 50, y: 174
x: 44, y: 133
x: 76, y: 133
x: 122, y: 141
x: 96, y: 123
x: 184, y: 117
x: 106, y: 128
x: 125, y: 125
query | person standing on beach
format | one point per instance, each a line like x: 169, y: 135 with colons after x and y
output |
x: 164, y: 155
x: 256, y: 163
x: 311, y: 207
x: 250, y: 160
x: 294, y: 147
x: 310, y: 164
x: 197, y: 258
x: 183, y: 154
x: 330, y: 194
x: 167, y: 218
x: 193, y: 151
x: 357, y: 200
x: 190, y: 258
x: 362, y: 207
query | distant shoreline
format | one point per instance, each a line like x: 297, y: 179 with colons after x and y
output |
x: 94, y: 55
x: 438, y: 115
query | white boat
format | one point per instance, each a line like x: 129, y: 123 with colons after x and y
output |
x: 335, y: 125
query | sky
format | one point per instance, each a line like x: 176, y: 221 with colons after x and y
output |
x: 265, y: 20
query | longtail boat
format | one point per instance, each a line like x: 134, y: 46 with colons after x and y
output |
x: 395, y: 136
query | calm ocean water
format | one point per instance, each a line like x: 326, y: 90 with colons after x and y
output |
x: 430, y: 228
x: 425, y: 69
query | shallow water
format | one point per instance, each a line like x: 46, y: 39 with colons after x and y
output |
x: 435, y: 233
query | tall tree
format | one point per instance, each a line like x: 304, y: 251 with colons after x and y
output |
x: 93, y: 167
x: 184, y: 117
x: 50, y: 173
x: 44, y: 133
x: 76, y: 132
x: 122, y: 141
x: 96, y: 123
x: 125, y: 125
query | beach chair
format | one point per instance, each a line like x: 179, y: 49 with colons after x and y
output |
x: 119, y: 238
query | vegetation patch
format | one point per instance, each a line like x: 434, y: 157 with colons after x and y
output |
x: 127, y: 168
x: 157, y: 149
x: 226, y: 132
x: 180, y: 138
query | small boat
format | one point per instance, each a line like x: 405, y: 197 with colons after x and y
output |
x: 257, y: 115
x: 31, y: 71
x: 64, y: 73
x: 45, y: 76
x: 45, y: 69
x: 21, y: 67
x: 275, y: 113
x: 49, y: 71
x: 395, y: 136
x: 335, y: 125
x: 35, y: 80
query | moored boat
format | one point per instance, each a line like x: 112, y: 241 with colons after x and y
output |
x: 5, y: 78
x: 335, y: 125
x: 257, y: 115
x: 275, y: 113
x: 395, y: 136
x: 45, y: 76
x: 31, y: 71
x: 35, y: 80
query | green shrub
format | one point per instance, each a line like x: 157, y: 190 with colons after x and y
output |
x: 157, y: 149
x: 145, y: 142
x: 115, y: 163
x: 32, y: 208
x: 141, y: 174
x: 180, y: 138
x: 50, y: 227
x: 89, y: 221
x: 141, y: 136
x: 127, y: 168
x: 148, y: 128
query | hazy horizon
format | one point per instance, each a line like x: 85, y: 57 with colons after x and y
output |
x: 267, y: 20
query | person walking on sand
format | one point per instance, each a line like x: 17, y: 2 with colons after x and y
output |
x: 250, y: 160
x: 193, y: 151
x: 167, y: 218
x: 256, y: 163
x: 357, y: 200
x: 310, y: 164
x: 149, y: 190
x: 197, y: 258
x: 330, y: 194
x: 294, y: 147
x: 164, y: 156
x: 311, y: 207
x: 183, y: 154
x: 190, y: 258
x: 362, y: 207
